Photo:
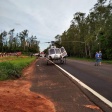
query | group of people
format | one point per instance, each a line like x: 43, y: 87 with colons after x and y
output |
x: 98, y: 57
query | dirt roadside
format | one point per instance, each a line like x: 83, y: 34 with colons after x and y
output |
x: 15, y: 95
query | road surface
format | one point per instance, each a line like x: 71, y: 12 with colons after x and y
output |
x: 98, y: 78
x: 67, y: 96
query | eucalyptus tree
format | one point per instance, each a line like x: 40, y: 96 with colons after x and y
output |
x: 72, y: 42
x: 90, y: 38
x: 1, y: 44
x: 33, y: 44
x: 2, y: 38
x: 58, y: 40
x: 23, y: 37
x: 32, y: 40
x: 100, y: 12
x: 15, y: 44
x: 75, y: 39
x: 94, y: 31
x: 103, y: 18
x: 63, y: 39
x: 11, y: 35
x: 69, y: 40
x: 79, y: 23
x: 107, y: 34
x: 18, y: 41
x: 65, y: 42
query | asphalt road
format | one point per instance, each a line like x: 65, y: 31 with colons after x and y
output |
x: 98, y: 78
x: 67, y: 96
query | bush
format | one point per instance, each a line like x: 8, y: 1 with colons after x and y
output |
x: 9, y: 71
x: 13, y: 69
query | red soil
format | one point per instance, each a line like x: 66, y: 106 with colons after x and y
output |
x: 15, y: 96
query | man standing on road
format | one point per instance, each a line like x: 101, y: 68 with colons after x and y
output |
x: 97, y: 59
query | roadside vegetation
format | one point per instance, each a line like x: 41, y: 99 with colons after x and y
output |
x: 89, y: 33
x: 20, y: 42
x: 11, y: 67
x: 91, y: 60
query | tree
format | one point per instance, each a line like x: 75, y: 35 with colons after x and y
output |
x: 94, y: 31
x: 11, y: 35
x: 2, y: 35
x: 23, y: 36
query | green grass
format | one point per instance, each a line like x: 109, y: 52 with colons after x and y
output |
x: 7, y: 58
x: 107, y: 61
x: 82, y: 59
x: 91, y: 60
x: 12, y: 68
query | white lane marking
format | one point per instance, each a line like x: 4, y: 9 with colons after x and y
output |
x: 109, y: 103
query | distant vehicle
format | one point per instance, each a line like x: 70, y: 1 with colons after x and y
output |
x: 36, y: 54
x: 42, y: 54
x: 57, y: 54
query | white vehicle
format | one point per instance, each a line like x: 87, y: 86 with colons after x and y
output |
x: 42, y: 54
x: 57, y: 54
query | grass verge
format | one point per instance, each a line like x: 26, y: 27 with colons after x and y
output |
x: 12, y: 69
x: 91, y: 60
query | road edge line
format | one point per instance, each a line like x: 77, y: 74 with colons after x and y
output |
x: 106, y: 101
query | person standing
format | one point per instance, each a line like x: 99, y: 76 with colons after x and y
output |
x: 100, y: 57
x: 97, y: 59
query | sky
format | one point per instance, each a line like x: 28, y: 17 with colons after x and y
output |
x: 42, y: 18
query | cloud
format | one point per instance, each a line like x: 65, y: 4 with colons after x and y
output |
x: 43, y: 18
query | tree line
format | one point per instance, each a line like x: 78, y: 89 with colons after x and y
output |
x: 89, y: 33
x: 20, y: 42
